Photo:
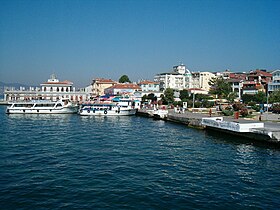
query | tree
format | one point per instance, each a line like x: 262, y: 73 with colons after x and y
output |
x: 260, y: 98
x: 124, y: 79
x: 220, y: 87
x: 274, y: 97
x: 152, y: 97
x: 231, y: 96
x: 169, y: 95
x: 184, y: 94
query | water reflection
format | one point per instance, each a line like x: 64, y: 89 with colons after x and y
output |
x: 245, y: 157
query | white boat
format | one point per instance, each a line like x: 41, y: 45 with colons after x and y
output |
x: 160, y: 114
x: 106, y: 110
x: 63, y: 106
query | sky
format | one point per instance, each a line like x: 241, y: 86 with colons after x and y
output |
x: 79, y: 40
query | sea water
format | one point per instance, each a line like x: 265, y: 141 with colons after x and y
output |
x: 130, y: 162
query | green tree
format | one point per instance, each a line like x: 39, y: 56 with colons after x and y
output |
x: 246, y: 98
x: 220, y: 87
x: 260, y: 98
x: 274, y: 97
x: 124, y: 79
x: 231, y: 96
x: 144, y: 98
x: 152, y: 97
x: 184, y: 94
x: 169, y: 95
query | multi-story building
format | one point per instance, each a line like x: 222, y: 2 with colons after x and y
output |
x: 149, y: 87
x: 275, y: 83
x: 127, y: 89
x: 256, y: 81
x: 179, y: 79
x: 200, y: 80
x: 100, y: 84
x: 53, y: 89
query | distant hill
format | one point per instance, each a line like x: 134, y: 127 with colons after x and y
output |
x: 10, y: 85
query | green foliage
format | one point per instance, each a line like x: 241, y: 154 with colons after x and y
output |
x: 274, y: 97
x: 227, y: 112
x: 276, y: 108
x: 152, y: 97
x: 259, y: 98
x: 124, y: 79
x: 144, y: 98
x: 231, y: 96
x: 184, y: 94
x: 169, y: 95
x: 220, y: 87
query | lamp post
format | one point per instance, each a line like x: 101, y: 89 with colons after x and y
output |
x: 193, y: 98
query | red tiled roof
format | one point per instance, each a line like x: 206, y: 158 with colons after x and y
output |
x: 102, y: 80
x: 147, y: 82
x: 125, y: 86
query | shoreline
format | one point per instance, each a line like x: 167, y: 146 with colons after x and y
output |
x: 270, y: 133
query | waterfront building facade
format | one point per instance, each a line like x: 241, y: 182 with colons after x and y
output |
x: 53, y: 90
x: 200, y: 80
x: 179, y: 79
x: 274, y: 85
x: 149, y: 87
x: 100, y: 84
x: 125, y: 89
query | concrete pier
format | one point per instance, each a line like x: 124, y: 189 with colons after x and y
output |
x: 270, y: 133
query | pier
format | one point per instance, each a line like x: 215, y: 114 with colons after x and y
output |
x: 267, y: 130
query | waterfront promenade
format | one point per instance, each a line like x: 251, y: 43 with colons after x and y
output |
x: 270, y: 132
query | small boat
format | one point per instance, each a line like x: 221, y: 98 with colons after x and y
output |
x: 63, y: 106
x: 160, y: 114
x: 106, y: 110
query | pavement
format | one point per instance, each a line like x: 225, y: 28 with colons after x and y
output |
x: 271, y: 121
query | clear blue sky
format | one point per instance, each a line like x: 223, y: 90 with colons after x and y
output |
x: 83, y: 39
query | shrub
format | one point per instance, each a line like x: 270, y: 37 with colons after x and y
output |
x: 276, y: 108
x: 227, y: 112
x: 244, y: 112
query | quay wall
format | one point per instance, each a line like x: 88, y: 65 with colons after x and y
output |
x: 194, y: 120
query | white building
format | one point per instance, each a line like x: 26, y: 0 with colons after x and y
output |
x: 275, y: 83
x: 126, y: 89
x: 53, y: 89
x: 201, y: 80
x: 179, y: 79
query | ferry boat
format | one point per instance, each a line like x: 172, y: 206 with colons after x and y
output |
x: 63, y: 106
x: 106, y: 110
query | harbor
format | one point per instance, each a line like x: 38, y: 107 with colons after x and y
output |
x: 268, y: 132
x: 58, y: 161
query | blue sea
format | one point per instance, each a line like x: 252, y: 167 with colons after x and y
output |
x: 130, y: 162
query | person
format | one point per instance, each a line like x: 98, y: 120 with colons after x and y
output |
x: 210, y: 112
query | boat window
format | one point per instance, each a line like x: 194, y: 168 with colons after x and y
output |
x: 58, y: 105
x: 44, y: 105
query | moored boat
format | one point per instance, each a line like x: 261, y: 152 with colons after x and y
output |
x: 63, y: 106
x: 106, y: 110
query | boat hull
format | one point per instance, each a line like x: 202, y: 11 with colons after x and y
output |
x: 107, y: 112
x: 42, y: 111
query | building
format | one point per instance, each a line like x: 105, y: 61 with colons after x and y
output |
x: 100, y: 84
x: 179, y: 79
x: 53, y: 90
x: 200, y: 80
x: 256, y: 81
x: 149, y: 86
x: 274, y: 85
x: 236, y: 85
x: 125, y: 89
